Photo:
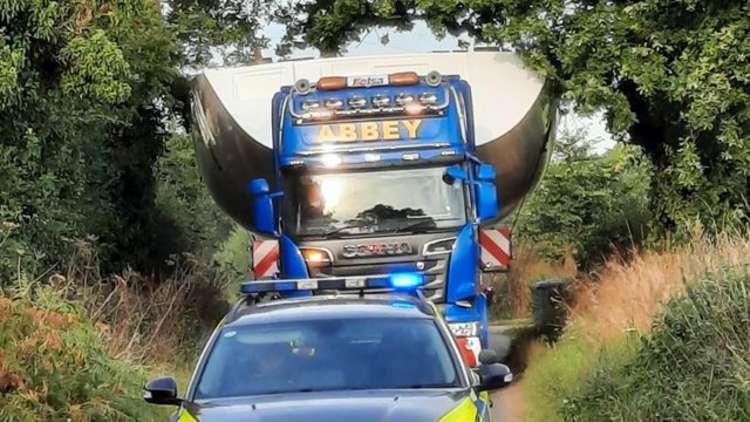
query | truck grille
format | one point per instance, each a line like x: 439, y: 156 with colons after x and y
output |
x: 433, y: 269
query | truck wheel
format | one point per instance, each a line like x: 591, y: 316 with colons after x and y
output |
x: 548, y: 307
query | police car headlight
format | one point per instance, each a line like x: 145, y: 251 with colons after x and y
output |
x: 464, y: 329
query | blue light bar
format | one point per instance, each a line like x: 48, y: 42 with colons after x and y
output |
x: 406, y: 280
x: 400, y: 281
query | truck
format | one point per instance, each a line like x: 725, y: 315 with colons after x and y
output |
x: 399, y: 165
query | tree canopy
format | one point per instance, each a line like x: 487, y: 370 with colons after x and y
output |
x: 82, y: 86
x: 86, y: 89
x: 672, y: 76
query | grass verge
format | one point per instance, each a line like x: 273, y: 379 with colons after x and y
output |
x: 662, y: 337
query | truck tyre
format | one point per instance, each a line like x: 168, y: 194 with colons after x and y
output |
x: 548, y: 307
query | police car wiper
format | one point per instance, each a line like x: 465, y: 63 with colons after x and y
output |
x: 420, y: 386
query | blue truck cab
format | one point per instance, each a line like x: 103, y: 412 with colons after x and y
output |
x: 379, y: 175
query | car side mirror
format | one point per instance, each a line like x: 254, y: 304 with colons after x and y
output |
x: 263, y: 213
x: 162, y: 391
x: 493, y: 376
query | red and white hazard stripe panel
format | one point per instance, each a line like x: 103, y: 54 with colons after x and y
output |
x: 496, y: 249
x: 265, y: 258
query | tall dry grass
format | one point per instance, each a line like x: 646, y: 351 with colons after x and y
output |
x: 612, y: 310
x: 145, y: 319
x: 627, y: 296
x: 513, y: 298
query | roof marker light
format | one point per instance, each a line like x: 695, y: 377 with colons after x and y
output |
x: 357, y: 102
x: 414, y: 108
x: 428, y: 98
x: 404, y: 99
x: 308, y: 105
x: 331, y: 83
x: 406, y: 280
x: 334, y: 103
x: 307, y: 285
x: 403, y: 78
x: 355, y: 283
x: 381, y: 100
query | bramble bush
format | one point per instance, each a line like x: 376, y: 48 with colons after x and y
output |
x: 188, y: 220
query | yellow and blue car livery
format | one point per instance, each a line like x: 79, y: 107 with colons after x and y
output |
x: 361, y: 407
x: 327, y: 358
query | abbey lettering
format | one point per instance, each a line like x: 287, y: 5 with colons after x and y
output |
x: 389, y: 130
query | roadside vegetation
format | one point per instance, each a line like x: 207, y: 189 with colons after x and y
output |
x: 54, y: 366
x: 661, y: 336
x: 114, y: 261
x: 78, y: 345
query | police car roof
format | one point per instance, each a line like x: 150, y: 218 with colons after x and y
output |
x: 330, y: 307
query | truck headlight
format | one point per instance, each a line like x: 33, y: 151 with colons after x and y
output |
x: 316, y: 257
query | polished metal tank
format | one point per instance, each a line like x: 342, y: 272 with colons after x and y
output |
x: 514, y: 118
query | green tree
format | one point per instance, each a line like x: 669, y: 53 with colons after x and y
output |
x: 228, y: 31
x: 188, y: 219
x: 592, y: 203
x: 672, y: 76
x: 83, y: 89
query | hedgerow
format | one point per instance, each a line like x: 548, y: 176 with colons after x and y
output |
x: 53, y: 366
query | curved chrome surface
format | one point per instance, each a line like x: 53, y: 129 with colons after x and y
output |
x: 228, y: 156
x: 521, y: 154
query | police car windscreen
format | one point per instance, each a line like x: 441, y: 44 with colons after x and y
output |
x: 367, y: 202
x: 324, y: 355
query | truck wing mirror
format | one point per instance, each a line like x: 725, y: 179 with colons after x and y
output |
x: 487, y: 204
x: 263, y: 213
x: 454, y: 173
x: 486, y: 173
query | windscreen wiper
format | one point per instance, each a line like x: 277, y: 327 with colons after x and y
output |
x: 350, y: 226
x: 422, y: 225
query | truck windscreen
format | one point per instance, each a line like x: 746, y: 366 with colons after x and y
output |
x: 371, y: 202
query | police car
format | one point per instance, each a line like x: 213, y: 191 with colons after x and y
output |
x: 335, y: 355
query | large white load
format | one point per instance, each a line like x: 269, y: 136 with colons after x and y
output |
x: 232, y: 110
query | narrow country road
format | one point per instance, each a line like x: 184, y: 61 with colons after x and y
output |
x: 507, y: 405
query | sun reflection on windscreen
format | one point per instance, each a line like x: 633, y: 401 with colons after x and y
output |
x: 331, y: 190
